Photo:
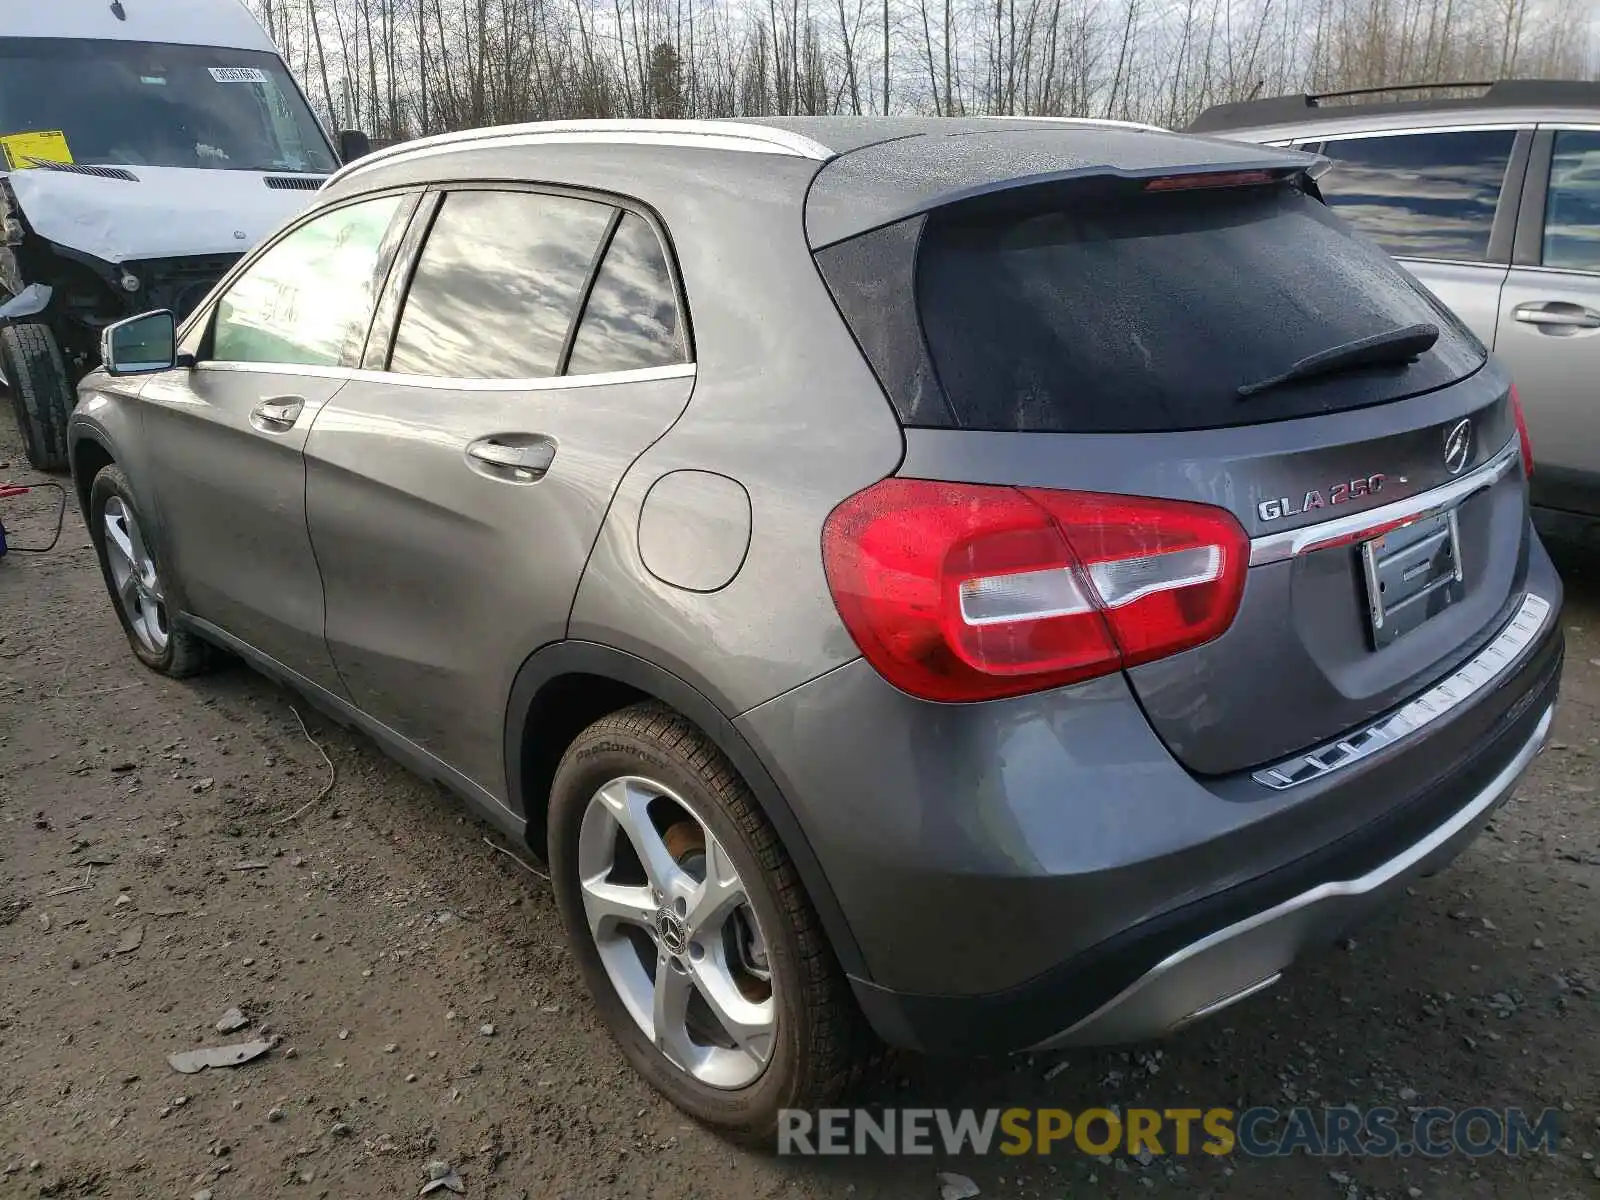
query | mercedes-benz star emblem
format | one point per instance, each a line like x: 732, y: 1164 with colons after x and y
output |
x: 1458, y: 446
x: 669, y: 928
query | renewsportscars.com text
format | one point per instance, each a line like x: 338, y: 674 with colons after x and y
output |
x: 1255, y: 1132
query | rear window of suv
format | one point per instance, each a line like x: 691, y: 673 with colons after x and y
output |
x: 1142, y: 313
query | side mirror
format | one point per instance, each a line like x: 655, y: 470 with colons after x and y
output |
x: 140, y: 345
x: 353, y: 144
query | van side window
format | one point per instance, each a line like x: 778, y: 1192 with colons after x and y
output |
x: 1572, y: 205
x: 1421, y: 195
x: 631, y: 319
x: 497, y: 285
x: 308, y: 299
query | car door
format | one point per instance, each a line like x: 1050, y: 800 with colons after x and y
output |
x: 1433, y: 199
x: 227, y: 434
x: 1550, y: 317
x: 455, y: 490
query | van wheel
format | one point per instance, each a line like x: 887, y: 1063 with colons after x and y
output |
x: 41, y: 392
x: 692, y: 930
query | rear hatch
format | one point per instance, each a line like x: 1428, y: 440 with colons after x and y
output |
x: 1203, y: 338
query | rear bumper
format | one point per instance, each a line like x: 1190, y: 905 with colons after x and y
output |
x: 1163, y: 973
x: 1223, y: 967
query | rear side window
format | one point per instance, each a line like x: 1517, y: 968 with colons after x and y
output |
x: 1422, y: 195
x: 498, y: 285
x: 631, y: 318
x: 1150, y: 312
x: 1572, y: 206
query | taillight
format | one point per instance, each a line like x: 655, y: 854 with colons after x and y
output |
x: 1522, y: 432
x: 960, y: 591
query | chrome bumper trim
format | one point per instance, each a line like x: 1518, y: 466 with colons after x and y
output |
x: 1477, y: 673
x: 1241, y: 959
x: 1342, y: 531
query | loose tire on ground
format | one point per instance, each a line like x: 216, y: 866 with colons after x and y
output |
x: 178, y: 653
x: 41, y: 392
x: 821, y: 1043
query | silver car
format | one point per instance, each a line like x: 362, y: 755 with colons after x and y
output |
x: 1493, y: 201
x: 972, y: 585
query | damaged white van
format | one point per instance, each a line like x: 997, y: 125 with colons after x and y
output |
x: 144, y: 146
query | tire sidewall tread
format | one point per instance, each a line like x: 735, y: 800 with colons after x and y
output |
x: 41, y: 392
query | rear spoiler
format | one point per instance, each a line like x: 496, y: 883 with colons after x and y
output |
x: 839, y: 213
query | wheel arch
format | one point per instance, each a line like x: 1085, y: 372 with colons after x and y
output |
x: 89, y: 452
x: 564, y: 687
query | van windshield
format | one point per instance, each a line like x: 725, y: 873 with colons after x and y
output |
x: 114, y: 103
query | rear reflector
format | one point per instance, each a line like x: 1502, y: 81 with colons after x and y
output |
x: 962, y: 592
x: 1522, y: 432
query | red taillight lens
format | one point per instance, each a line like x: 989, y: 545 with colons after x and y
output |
x: 969, y: 592
x: 1522, y: 432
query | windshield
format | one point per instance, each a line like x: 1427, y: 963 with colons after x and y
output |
x: 113, y: 103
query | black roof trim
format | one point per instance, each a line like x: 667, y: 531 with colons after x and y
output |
x: 1502, y: 93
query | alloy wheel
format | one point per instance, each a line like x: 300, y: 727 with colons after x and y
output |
x: 134, y: 577
x: 676, y: 932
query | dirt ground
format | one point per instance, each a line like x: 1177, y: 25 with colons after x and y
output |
x: 427, y: 1011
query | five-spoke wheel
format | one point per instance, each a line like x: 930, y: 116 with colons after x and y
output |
x: 687, y: 918
x: 673, y: 924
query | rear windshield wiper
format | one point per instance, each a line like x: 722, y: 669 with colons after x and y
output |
x: 1381, y: 349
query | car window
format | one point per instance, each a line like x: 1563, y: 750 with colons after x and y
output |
x: 631, y: 318
x: 308, y: 299
x: 497, y: 286
x: 1150, y: 312
x: 1422, y: 195
x: 1572, y: 205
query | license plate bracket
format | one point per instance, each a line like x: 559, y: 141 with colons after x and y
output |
x: 1411, y: 574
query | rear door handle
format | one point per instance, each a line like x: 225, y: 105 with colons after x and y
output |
x: 1557, y: 313
x: 513, y: 457
x: 277, y: 414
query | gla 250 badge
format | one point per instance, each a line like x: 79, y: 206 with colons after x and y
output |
x: 1339, y: 493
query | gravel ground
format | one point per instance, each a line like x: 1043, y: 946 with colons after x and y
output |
x: 427, y: 1010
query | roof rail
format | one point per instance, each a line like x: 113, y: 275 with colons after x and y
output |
x: 1076, y: 121
x: 710, y: 135
x: 1499, y: 93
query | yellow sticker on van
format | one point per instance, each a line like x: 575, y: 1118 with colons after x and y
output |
x: 24, y: 150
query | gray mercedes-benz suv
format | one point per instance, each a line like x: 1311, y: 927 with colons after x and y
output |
x: 974, y: 584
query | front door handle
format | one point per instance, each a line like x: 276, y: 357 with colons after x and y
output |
x: 1557, y: 314
x: 277, y: 414
x: 513, y: 457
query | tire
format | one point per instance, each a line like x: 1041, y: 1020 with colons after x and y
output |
x: 41, y: 392
x: 819, y: 1041
x: 176, y: 652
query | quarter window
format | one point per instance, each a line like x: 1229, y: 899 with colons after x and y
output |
x: 1572, y: 205
x: 631, y: 318
x: 1425, y: 195
x: 498, y: 285
x: 308, y: 299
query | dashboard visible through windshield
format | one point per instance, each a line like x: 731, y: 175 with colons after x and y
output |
x: 114, y: 103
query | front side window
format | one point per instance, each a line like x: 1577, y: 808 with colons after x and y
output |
x: 113, y: 103
x: 631, y: 318
x: 308, y: 299
x: 1572, y: 205
x: 1422, y: 195
x: 498, y: 285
